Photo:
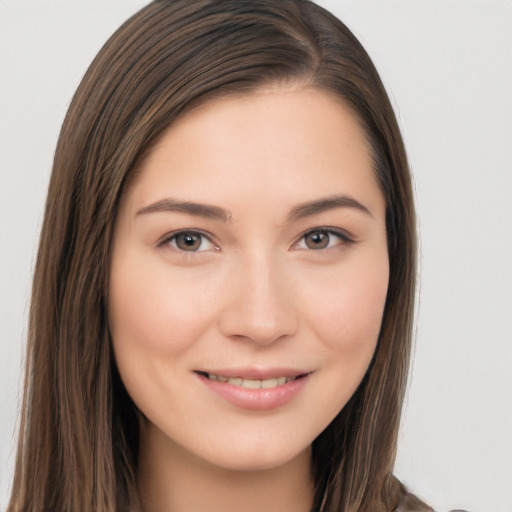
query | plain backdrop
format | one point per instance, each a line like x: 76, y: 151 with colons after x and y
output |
x: 447, y: 67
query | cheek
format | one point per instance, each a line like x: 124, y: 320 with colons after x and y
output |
x: 154, y: 324
x: 348, y: 308
x: 154, y: 320
x: 347, y: 321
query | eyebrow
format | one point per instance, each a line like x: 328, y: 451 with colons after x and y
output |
x: 300, y: 211
x: 310, y: 208
x: 196, y: 209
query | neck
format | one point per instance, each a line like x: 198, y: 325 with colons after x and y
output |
x: 171, y: 479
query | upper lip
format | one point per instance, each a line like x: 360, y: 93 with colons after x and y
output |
x: 255, y: 373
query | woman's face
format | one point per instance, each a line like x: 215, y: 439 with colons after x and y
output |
x: 249, y: 275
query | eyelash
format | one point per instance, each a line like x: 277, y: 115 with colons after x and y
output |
x: 170, y: 239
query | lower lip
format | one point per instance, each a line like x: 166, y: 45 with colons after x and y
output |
x: 256, y: 399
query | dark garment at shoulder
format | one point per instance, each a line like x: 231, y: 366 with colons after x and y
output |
x: 411, y: 503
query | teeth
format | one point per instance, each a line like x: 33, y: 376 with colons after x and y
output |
x: 269, y: 383
x: 251, y: 383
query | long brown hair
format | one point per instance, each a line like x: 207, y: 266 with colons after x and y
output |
x: 78, y: 442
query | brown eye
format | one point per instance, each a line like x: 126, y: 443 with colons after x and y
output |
x: 188, y: 241
x: 317, y: 240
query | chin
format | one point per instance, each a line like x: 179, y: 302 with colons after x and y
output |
x: 250, y: 461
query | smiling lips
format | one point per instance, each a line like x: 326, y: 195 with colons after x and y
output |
x: 252, y: 383
x: 256, y: 394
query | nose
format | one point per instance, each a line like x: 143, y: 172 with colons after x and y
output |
x: 259, y: 306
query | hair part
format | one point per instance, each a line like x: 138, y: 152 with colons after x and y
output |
x: 78, y: 443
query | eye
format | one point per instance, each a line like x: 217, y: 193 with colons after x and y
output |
x: 318, y: 239
x: 189, y: 241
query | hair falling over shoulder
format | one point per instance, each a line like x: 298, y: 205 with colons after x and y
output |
x: 78, y: 440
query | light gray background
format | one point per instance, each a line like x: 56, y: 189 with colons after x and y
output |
x: 447, y: 67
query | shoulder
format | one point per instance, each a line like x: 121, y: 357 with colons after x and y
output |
x: 411, y: 503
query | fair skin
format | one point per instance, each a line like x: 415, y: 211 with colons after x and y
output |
x: 251, y: 247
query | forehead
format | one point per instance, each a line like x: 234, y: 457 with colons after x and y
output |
x: 284, y: 142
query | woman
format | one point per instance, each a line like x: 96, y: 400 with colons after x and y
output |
x: 223, y: 297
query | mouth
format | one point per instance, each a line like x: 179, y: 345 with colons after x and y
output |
x: 252, y: 383
x: 255, y: 389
